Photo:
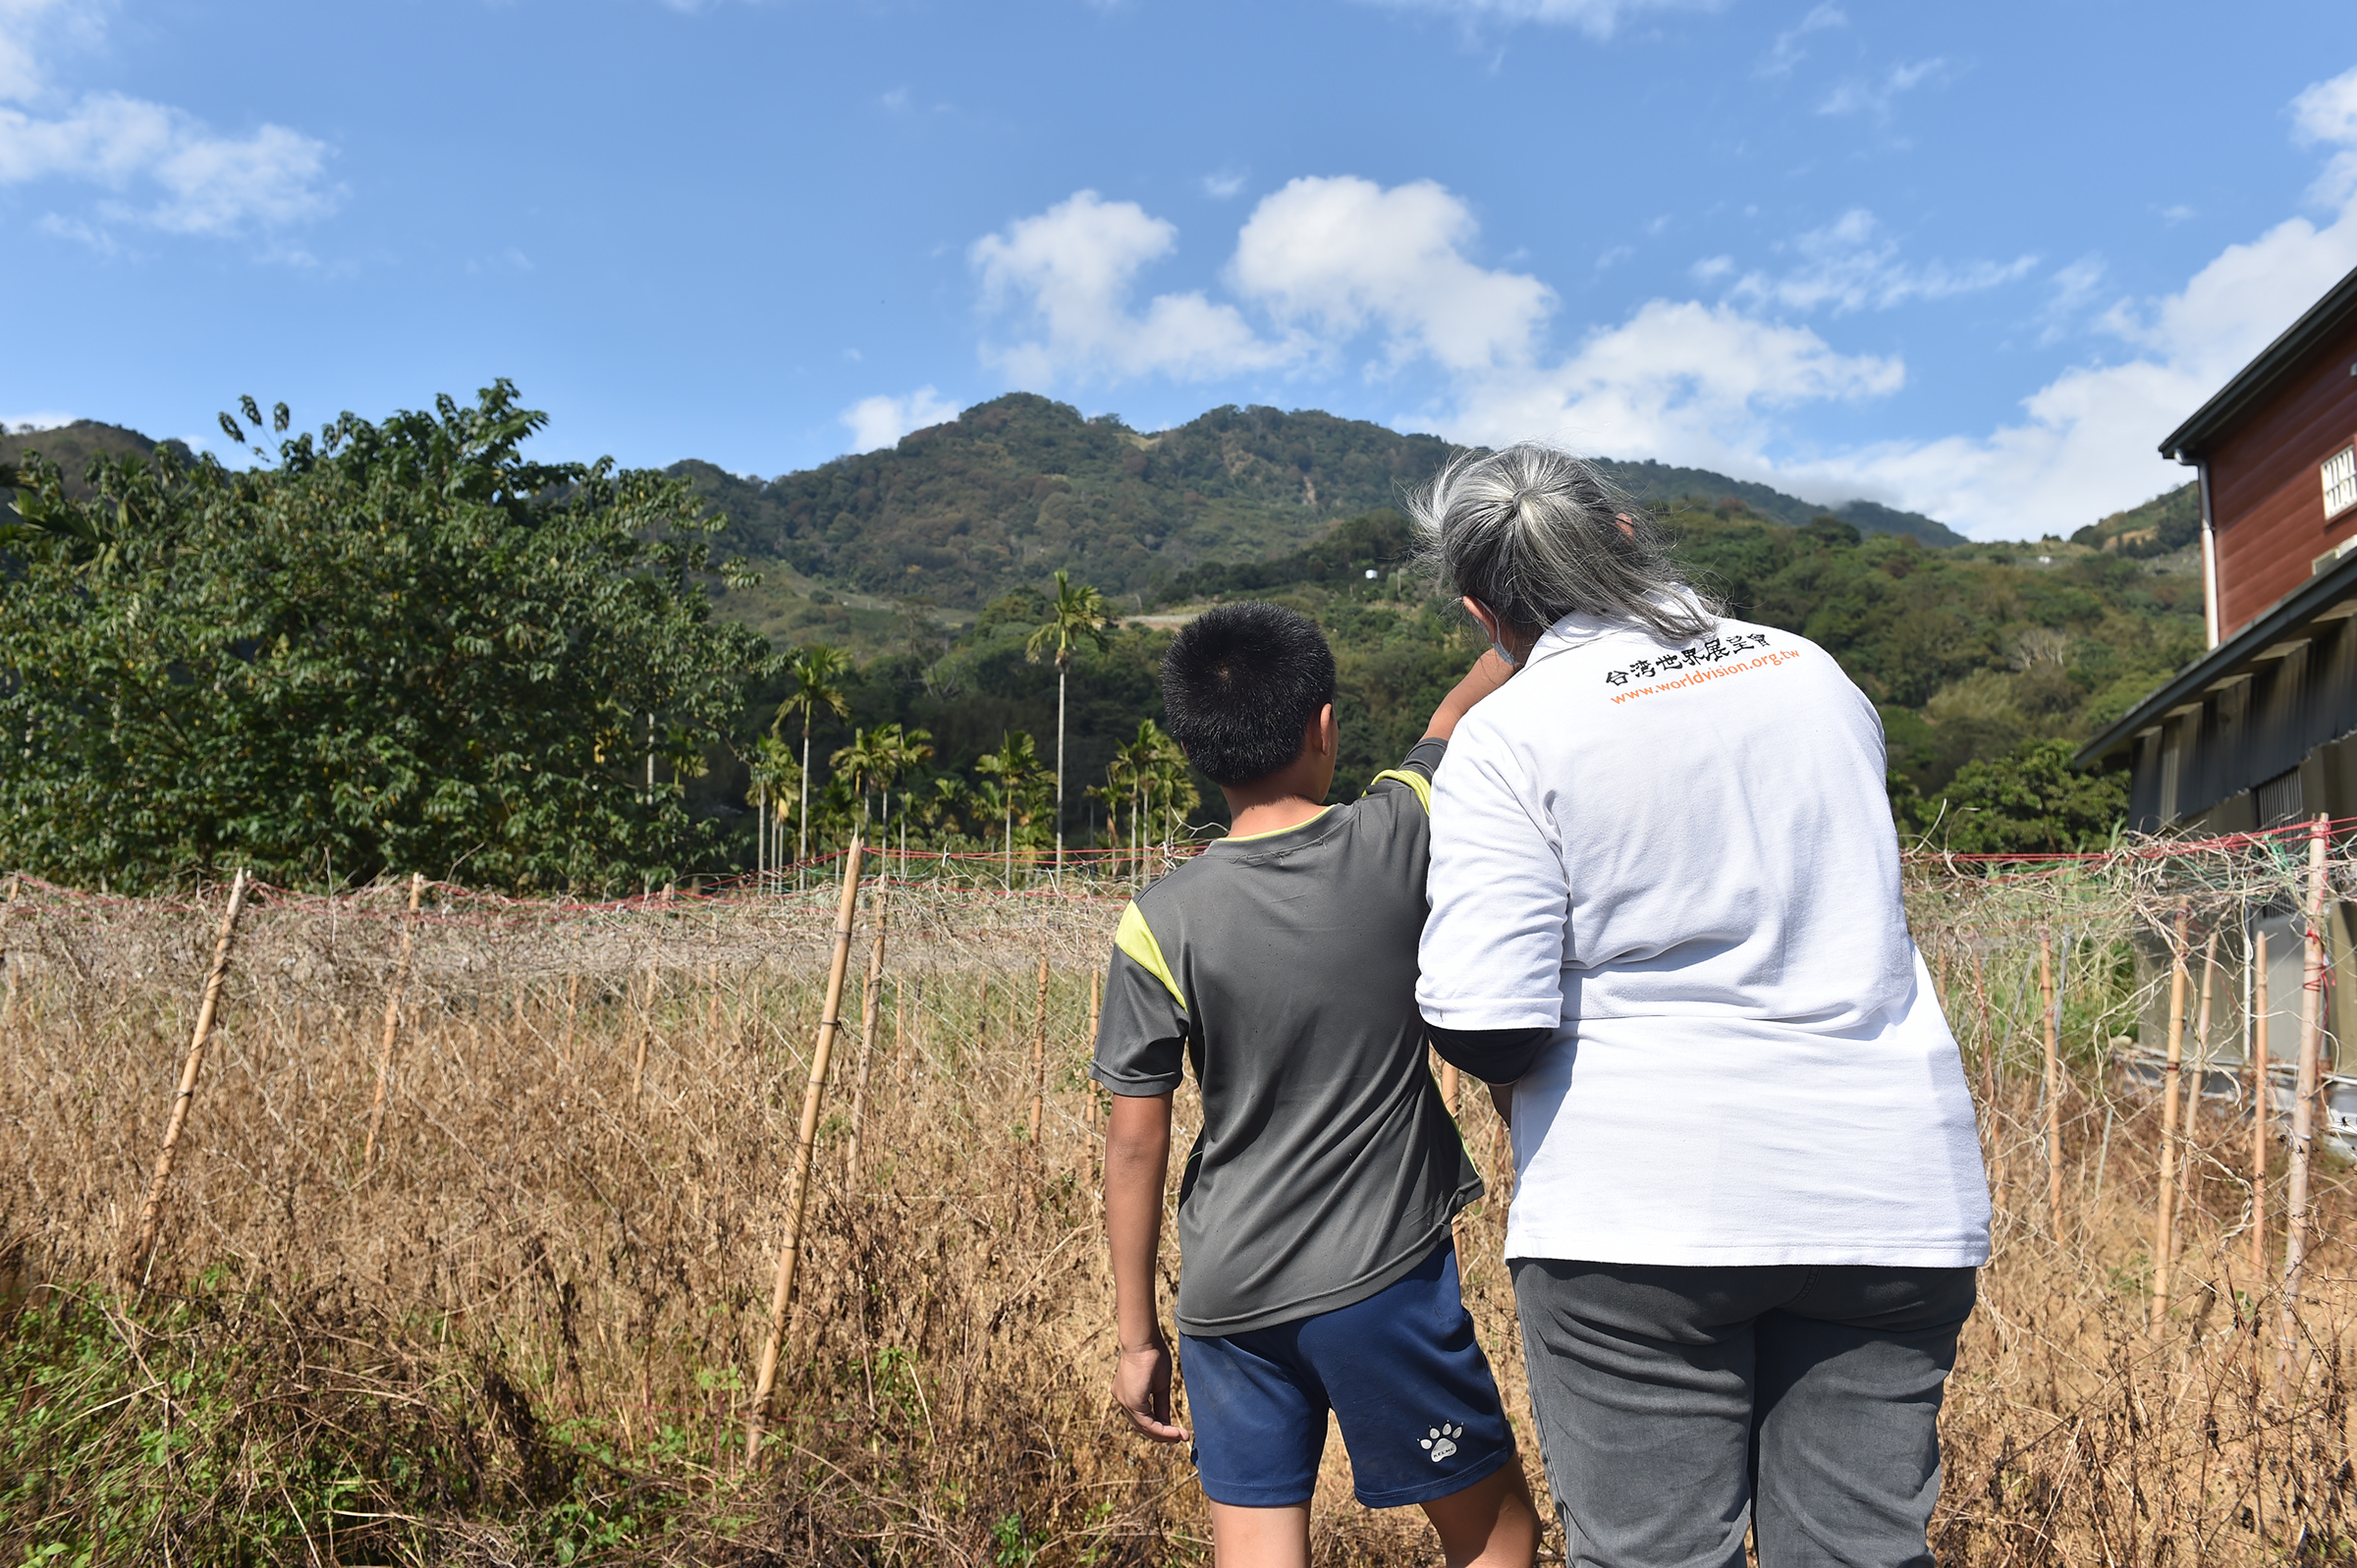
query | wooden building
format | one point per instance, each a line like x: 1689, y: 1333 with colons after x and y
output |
x: 2258, y: 732
x: 2261, y: 730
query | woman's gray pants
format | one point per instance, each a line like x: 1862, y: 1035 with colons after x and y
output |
x: 1676, y: 1406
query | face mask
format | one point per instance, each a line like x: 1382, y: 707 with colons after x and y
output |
x: 1499, y: 648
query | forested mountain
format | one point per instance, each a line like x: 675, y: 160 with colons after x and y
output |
x: 2167, y: 523
x: 72, y: 447
x: 1016, y: 487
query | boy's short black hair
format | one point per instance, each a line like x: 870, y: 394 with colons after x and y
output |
x: 1240, y: 684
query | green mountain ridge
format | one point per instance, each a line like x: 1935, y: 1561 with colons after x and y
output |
x: 1020, y: 486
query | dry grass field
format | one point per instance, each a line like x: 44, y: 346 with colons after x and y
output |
x: 526, y: 1330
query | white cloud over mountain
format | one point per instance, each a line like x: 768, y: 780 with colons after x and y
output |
x: 1333, y: 272
x: 881, y: 421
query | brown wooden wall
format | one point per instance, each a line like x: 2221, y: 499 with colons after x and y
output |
x: 2264, y: 492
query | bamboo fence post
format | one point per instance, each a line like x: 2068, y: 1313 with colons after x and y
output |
x: 1449, y: 1086
x: 151, y: 1213
x: 8, y: 1003
x: 572, y: 1000
x: 1096, y: 1017
x: 1039, y: 1056
x: 2050, y: 1004
x: 2201, y: 1084
x: 392, y: 1029
x: 798, y: 1190
x: 2164, y: 1213
x: 2303, y: 1104
x: 872, y: 998
x: 1979, y: 990
x: 646, y: 1030
x: 916, y: 1035
x: 2260, y: 1006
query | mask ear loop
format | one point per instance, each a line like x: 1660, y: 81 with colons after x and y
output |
x: 1500, y: 649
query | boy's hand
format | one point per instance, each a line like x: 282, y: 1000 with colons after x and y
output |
x: 1141, y: 1386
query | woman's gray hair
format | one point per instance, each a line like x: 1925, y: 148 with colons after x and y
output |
x: 1534, y: 534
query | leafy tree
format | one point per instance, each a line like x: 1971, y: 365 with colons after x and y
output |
x: 2029, y: 802
x: 1076, y: 615
x: 389, y: 647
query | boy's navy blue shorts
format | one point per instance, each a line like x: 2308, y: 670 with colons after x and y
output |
x: 1402, y: 1373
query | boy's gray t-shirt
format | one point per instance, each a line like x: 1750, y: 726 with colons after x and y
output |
x: 1284, y: 966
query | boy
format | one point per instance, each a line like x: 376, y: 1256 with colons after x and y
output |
x: 1314, y: 1213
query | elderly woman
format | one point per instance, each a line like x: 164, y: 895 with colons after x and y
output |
x: 1667, y: 928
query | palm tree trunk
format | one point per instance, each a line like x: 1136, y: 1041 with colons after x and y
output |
x: 801, y: 825
x: 1011, y: 845
x: 1059, y: 675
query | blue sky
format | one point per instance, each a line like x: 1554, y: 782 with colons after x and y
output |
x: 1975, y: 261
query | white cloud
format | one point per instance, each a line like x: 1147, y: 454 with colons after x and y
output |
x: 1070, y: 274
x: 161, y: 167
x: 1226, y: 183
x: 2327, y: 113
x: 1598, y: 19
x: 1338, y: 255
x: 1876, y: 96
x: 1850, y: 266
x: 2087, y: 445
x: 881, y: 421
x: 1679, y: 380
x: 1709, y: 269
x: 1786, y: 53
x: 46, y: 419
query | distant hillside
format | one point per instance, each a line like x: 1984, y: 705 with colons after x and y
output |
x: 72, y: 447
x: 1016, y: 487
x: 2167, y: 523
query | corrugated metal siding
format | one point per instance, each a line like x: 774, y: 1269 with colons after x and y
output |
x: 2252, y: 731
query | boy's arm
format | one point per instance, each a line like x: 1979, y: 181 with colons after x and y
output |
x: 1137, y: 1163
x: 1488, y: 673
x: 1141, y: 1045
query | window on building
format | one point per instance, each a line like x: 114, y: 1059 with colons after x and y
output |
x: 2340, y: 481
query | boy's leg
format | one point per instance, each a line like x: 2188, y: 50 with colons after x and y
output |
x: 1491, y: 1524
x: 1260, y: 1537
x: 1641, y: 1379
x: 1847, y: 1451
x: 1420, y: 1413
x: 1260, y: 1428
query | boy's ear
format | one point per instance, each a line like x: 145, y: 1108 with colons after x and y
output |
x: 1326, y: 732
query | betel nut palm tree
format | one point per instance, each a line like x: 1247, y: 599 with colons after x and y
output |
x: 810, y: 685
x: 1075, y: 616
x: 1015, y: 765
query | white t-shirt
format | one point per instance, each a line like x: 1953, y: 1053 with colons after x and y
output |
x: 1683, y: 861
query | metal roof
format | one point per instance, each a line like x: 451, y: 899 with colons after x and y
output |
x: 2262, y: 375
x: 2291, y: 613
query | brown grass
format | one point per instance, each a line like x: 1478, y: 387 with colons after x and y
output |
x: 526, y: 1335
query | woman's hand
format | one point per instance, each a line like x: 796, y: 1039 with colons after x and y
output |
x: 1141, y: 1386
x: 1488, y: 673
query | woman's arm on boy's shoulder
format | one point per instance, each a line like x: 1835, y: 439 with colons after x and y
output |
x: 1488, y: 673
x: 1138, y: 1166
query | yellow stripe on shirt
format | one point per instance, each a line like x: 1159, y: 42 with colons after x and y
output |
x: 1409, y: 776
x: 1135, y: 939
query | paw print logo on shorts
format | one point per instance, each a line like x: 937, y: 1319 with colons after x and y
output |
x: 1442, y: 1440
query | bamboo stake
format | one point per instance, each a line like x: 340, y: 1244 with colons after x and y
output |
x: 1096, y: 1015
x: 2303, y: 1105
x: 1039, y: 1056
x: 1980, y: 989
x: 8, y: 1004
x: 2259, y: 1019
x: 2193, y: 1096
x: 151, y: 1213
x: 2164, y: 1213
x: 646, y: 1031
x: 798, y: 1190
x: 871, y: 996
x: 2050, y: 1000
x: 392, y: 1029
x: 573, y: 1002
